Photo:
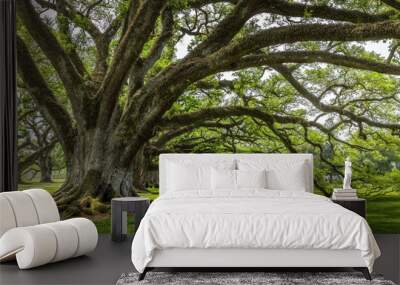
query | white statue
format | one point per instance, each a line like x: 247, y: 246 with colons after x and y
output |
x: 347, y: 174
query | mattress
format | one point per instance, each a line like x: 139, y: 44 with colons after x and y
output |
x: 251, y: 219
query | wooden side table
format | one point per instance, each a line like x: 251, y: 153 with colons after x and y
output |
x: 357, y: 205
x: 119, y: 208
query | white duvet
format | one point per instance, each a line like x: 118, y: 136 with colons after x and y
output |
x: 250, y: 219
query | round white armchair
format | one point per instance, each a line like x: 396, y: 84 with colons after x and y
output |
x: 31, y: 230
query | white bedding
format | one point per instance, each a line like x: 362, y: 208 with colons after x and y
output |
x: 250, y: 219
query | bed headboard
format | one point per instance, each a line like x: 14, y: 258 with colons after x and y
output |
x: 211, y: 159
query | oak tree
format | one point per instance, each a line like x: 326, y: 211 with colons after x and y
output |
x: 118, y: 65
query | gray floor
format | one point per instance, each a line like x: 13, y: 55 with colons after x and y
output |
x: 103, y: 266
x: 389, y: 262
x: 110, y: 260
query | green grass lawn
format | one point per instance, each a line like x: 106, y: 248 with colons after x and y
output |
x: 103, y: 224
x: 383, y: 212
x: 49, y: 186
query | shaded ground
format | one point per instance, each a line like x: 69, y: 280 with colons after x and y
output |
x: 383, y: 212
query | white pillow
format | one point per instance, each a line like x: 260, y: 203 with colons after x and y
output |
x: 251, y: 178
x: 293, y: 179
x: 223, y: 179
x: 280, y: 174
x: 183, y: 177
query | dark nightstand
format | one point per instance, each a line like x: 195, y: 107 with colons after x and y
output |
x: 119, y: 209
x: 357, y: 205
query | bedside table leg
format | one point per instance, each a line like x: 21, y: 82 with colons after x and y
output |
x: 124, y: 224
x: 116, y: 222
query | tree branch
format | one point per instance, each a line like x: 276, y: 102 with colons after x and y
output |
x: 392, y: 3
x: 193, y: 69
x: 47, y: 103
x: 101, y: 40
x: 141, y: 67
x: 127, y: 52
x: 392, y: 52
x: 286, y: 73
x: 287, y: 8
x: 224, y: 112
x: 114, y: 26
x: 76, y: 60
x: 62, y: 63
x: 30, y: 159
x: 244, y: 10
x: 282, y: 137
x: 200, y: 3
x: 228, y: 27
x: 314, y: 57
x: 307, y: 32
x: 220, y: 84
x: 78, y: 18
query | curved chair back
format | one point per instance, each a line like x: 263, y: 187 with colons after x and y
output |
x: 26, y: 208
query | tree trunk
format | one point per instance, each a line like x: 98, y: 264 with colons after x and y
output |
x: 94, y: 177
x: 140, y: 170
x: 46, y: 167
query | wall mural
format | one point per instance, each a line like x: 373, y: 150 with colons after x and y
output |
x: 106, y: 86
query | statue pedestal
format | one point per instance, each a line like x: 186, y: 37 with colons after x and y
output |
x: 344, y: 194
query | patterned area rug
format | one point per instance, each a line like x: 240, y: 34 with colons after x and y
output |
x: 243, y: 278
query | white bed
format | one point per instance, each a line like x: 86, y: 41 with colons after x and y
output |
x: 248, y: 227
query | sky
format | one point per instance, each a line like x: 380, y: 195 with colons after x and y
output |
x: 379, y: 47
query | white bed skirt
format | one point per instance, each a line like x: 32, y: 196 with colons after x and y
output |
x: 190, y: 257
